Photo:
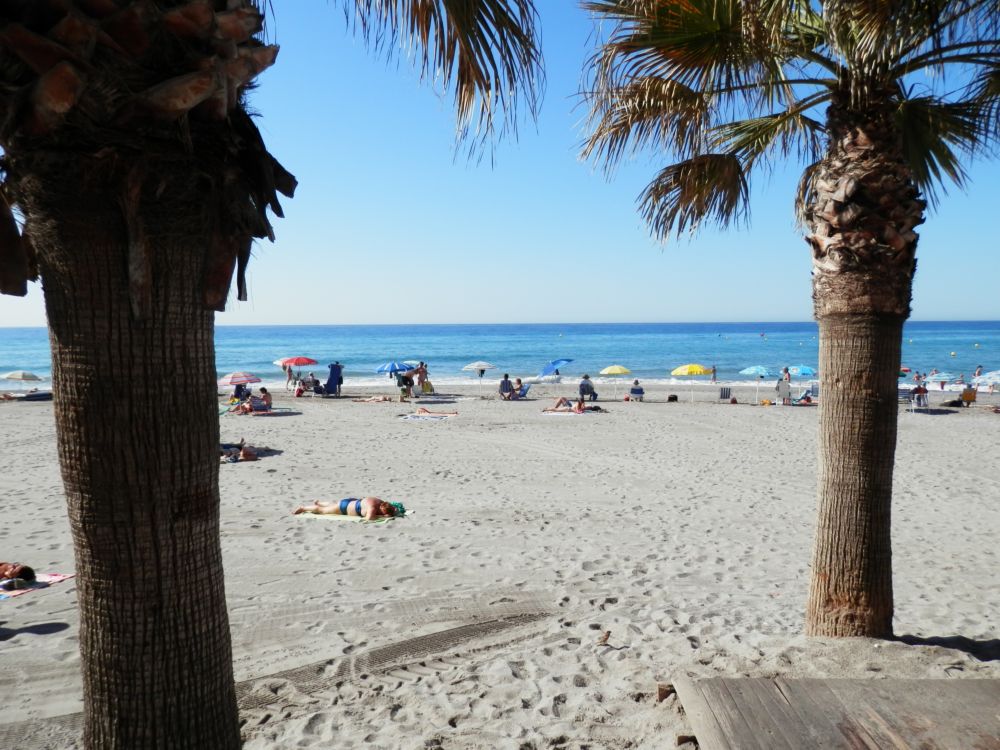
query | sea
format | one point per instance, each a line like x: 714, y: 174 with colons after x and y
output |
x: 649, y: 350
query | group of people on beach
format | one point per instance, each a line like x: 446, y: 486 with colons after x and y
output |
x: 416, y: 376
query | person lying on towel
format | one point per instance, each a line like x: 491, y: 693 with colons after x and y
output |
x: 15, y: 576
x: 368, y: 508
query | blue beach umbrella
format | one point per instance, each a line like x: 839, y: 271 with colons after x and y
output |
x: 802, y: 370
x: 552, y: 366
x: 758, y: 371
x: 392, y: 367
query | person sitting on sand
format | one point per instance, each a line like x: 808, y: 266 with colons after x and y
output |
x: 563, y: 404
x: 506, y: 388
x: 368, y: 508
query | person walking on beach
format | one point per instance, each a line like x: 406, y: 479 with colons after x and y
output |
x: 289, y: 377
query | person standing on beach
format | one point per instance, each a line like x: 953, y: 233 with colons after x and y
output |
x: 714, y: 372
x: 289, y: 377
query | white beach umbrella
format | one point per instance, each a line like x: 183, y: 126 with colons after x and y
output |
x: 22, y: 375
x: 481, y: 367
x: 988, y: 378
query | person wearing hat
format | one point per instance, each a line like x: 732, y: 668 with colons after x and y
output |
x: 587, y: 389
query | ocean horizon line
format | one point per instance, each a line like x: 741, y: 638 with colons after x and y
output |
x: 549, y: 323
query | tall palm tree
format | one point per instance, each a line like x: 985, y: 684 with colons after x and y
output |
x: 882, y: 100
x: 134, y: 183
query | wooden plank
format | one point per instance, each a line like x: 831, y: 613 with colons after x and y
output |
x: 820, y: 714
x: 780, y: 714
x: 700, y: 715
x: 925, y: 713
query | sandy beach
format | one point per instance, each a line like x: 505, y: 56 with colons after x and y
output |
x: 684, y: 529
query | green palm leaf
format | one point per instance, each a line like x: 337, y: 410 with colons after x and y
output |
x: 935, y: 136
x: 759, y: 138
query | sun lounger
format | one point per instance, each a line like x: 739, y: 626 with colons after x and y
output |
x: 725, y: 393
x: 522, y: 392
x: 968, y: 396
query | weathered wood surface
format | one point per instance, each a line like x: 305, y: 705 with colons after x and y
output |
x: 780, y: 714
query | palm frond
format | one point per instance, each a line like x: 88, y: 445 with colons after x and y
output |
x: 710, y: 186
x: 700, y: 44
x: 758, y: 138
x: 487, y: 50
x: 805, y: 194
x: 935, y: 134
x: 648, y: 111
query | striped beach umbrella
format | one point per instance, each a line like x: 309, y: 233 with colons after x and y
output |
x: 238, y: 378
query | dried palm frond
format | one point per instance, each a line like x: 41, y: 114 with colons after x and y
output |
x: 487, y: 50
x: 711, y: 186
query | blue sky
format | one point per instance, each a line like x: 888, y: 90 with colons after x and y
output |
x: 390, y: 225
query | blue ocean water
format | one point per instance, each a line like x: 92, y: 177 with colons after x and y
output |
x: 649, y: 350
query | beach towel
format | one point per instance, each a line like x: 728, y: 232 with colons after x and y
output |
x: 42, y: 581
x: 425, y: 417
x: 355, y: 519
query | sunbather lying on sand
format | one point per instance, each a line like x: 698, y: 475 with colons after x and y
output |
x: 372, y: 399
x: 15, y: 575
x: 575, y: 407
x: 369, y: 508
x: 423, y: 410
x: 564, y: 404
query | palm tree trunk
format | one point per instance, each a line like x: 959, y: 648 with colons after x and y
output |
x: 862, y: 210
x: 135, y: 407
x: 851, y: 591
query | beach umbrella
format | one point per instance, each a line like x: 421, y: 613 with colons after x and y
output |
x: 552, y: 366
x: 941, y: 377
x: 988, y: 378
x: 616, y: 370
x: 481, y: 367
x: 238, y: 378
x: 690, y: 371
x: 802, y: 371
x: 22, y: 375
x: 761, y: 372
x: 392, y: 367
x: 299, y: 361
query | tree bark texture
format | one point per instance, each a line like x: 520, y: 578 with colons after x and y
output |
x: 851, y: 590
x: 863, y: 207
x: 136, y: 416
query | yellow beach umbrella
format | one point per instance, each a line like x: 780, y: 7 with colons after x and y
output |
x: 616, y: 370
x: 690, y: 370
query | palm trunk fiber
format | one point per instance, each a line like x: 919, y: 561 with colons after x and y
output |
x: 137, y: 422
x: 851, y: 587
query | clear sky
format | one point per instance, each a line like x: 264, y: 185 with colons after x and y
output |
x: 390, y: 225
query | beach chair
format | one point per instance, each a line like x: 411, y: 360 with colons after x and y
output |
x: 968, y: 396
x: 257, y: 405
x: 725, y: 393
x: 804, y: 397
x: 903, y: 395
x: 520, y: 393
x: 918, y: 401
x: 636, y: 393
x: 814, y: 390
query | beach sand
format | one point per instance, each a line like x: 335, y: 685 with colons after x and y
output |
x: 684, y: 529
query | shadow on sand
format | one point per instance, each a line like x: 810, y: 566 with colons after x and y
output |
x: 42, y: 628
x: 982, y: 650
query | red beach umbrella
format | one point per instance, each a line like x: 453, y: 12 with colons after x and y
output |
x: 295, y: 361
x: 238, y: 378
